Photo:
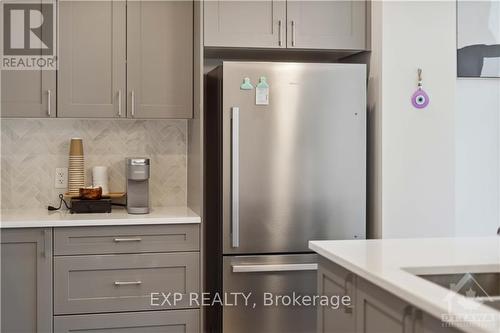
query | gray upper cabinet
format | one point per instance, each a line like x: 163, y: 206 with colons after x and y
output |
x: 26, y: 274
x: 29, y: 93
x: 25, y: 93
x: 160, y: 59
x: 333, y: 25
x: 245, y: 23
x: 92, y: 67
x: 336, y: 25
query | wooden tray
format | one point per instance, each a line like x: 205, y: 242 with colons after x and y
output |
x: 111, y: 195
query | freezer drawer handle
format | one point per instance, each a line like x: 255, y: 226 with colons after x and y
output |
x: 274, y: 268
x: 235, y: 190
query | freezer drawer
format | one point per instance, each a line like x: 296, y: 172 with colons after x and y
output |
x: 276, y: 274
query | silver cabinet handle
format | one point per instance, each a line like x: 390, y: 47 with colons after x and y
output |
x: 274, y: 268
x: 348, y: 279
x: 417, y: 321
x: 119, y: 102
x: 127, y: 283
x: 280, y: 42
x: 130, y: 239
x: 235, y: 190
x: 49, y: 97
x: 408, y: 312
x: 132, y: 102
x: 293, y: 33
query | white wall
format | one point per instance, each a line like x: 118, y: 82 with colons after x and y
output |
x: 477, y: 156
x: 415, y: 179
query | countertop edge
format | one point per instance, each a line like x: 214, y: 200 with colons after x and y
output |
x: 42, y: 219
x: 97, y: 223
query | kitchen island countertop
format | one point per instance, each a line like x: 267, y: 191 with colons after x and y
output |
x: 41, y: 218
x: 392, y: 264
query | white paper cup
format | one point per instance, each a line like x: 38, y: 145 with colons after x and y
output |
x: 100, y: 178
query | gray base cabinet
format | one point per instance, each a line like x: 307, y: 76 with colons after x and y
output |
x: 132, y: 322
x: 26, y: 274
x: 336, y: 281
x: 100, y: 279
x: 428, y: 324
x: 113, y: 283
x: 379, y: 311
x: 374, y: 309
x: 126, y: 239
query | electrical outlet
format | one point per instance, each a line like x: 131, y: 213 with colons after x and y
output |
x: 61, y: 178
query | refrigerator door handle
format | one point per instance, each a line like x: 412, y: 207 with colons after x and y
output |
x: 235, y: 180
x: 274, y: 268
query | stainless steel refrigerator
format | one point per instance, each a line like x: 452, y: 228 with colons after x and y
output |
x: 285, y: 163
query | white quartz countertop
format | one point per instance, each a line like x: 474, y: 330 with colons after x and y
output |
x: 119, y: 216
x: 392, y: 264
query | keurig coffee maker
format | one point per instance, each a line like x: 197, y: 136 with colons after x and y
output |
x: 138, y: 185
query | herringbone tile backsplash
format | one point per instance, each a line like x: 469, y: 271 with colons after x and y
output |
x: 33, y: 148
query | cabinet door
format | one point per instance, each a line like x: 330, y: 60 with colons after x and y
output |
x: 25, y: 93
x: 378, y: 311
x: 160, y: 59
x: 28, y: 93
x: 26, y: 280
x: 186, y: 321
x: 336, y: 25
x: 245, y: 23
x: 336, y: 281
x: 92, y: 53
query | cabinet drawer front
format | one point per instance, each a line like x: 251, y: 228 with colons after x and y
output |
x: 113, y: 283
x: 131, y: 322
x: 127, y: 239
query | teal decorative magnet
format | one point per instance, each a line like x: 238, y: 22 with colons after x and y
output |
x: 246, y: 85
x: 262, y: 82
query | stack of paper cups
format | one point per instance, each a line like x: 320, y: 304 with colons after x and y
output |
x: 100, y: 178
x: 76, y: 169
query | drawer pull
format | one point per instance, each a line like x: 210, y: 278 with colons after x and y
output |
x: 127, y: 283
x: 131, y: 239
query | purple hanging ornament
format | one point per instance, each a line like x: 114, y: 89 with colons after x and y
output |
x: 420, y: 99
